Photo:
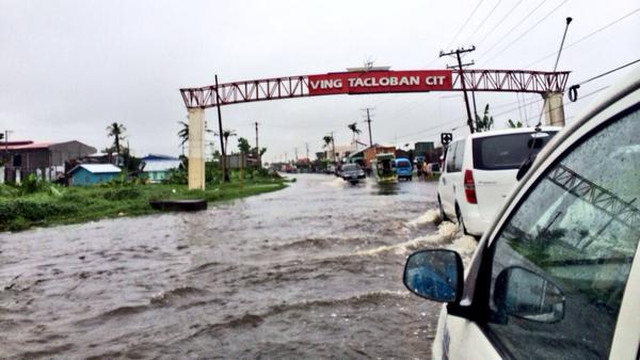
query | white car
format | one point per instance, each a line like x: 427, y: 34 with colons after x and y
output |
x: 480, y: 172
x: 557, y: 274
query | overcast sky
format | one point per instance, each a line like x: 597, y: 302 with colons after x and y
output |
x: 70, y: 68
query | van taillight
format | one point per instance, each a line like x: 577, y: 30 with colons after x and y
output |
x: 470, y: 187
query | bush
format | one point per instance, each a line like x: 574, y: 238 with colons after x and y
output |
x: 35, y: 211
x: 122, y: 194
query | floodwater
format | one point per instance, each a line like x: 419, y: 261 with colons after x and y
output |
x: 312, y: 271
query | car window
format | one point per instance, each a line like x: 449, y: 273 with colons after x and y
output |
x: 508, y: 151
x: 561, y: 263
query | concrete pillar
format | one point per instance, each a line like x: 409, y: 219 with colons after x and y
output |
x: 553, y: 109
x: 1, y: 174
x: 196, y: 149
x: 18, y: 177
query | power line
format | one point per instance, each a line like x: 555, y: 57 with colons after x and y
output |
x: 585, y: 37
x: 528, y: 30
x: 455, y: 37
x: 499, y: 22
x: 486, y: 17
x: 609, y: 72
x: 520, y: 22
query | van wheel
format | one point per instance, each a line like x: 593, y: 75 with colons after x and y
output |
x: 461, y: 221
x: 443, y: 216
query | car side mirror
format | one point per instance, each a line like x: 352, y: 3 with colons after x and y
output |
x: 434, y: 275
x: 521, y: 293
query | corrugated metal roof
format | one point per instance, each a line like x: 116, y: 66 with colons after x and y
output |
x: 42, y: 145
x: 99, y: 168
x: 160, y: 165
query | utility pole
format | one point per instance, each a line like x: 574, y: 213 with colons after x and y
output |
x: 223, y: 157
x: 333, y: 148
x: 295, y: 150
x: 464, y: 86
x: 258, y: 147
x: 307, y: 146
x: 368, y: 121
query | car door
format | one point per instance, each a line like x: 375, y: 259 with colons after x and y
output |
x: 554, y: 280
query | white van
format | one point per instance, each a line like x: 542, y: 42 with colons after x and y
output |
x: 557, y: 274
x: 480, y: 172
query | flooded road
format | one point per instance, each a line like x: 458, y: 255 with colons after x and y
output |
x: 312, y: 271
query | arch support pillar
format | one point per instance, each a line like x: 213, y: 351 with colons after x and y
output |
x: 553, y: 109
x: 196, y: 149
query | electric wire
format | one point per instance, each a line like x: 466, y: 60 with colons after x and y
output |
x: 499, y: 23
x: 455, y: 37
x: 486, y: 18
x: 584, y: 37
x: 609, y: 72
x: 528, y: 30
x: 520, y: 22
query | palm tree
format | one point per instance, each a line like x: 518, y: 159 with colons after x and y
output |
x: 354, y: 128
x: 117, y: 131
x: 327, y: 140
x: 183, y: 134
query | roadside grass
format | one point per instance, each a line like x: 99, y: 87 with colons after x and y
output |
x: 56, y: 205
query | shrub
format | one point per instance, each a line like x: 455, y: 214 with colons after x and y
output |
x: 34, y: 210
x: 122, y: 194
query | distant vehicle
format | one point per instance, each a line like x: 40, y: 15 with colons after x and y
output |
x: 556, y: 275
x: 352, y: 173
x: 404, y: 169
x: 383, y: 167
x: 433, y: 169
x: 480, y: 172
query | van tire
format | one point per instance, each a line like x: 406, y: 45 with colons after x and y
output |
x: 443, y: 216
x: 461, y: 221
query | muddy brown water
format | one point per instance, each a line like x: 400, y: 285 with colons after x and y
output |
x: 312, y: 271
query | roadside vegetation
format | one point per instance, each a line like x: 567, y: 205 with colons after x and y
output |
x: 38, y: 203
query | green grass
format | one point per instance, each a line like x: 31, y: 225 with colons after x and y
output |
x: 20, y: 211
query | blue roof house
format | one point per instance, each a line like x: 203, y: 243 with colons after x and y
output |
x: 158, y: 170
x: 92, y: 174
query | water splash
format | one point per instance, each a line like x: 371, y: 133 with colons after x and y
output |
x: 431, y: 216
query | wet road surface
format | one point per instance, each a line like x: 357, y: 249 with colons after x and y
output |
x: 312, y: 271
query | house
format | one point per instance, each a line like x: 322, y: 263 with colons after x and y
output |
x: 156, y: 167
x: 44, y: 159
x: 92, y: 174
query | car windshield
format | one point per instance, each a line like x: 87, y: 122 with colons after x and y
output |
x: 350, y: 167
x: 503, y: 152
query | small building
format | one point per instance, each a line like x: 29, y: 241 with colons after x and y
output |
x: 45, y: 160
x: 93, y: 174
x: 157, y: 167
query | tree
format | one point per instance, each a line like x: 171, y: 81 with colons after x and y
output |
x: 116, y: 131
x: 513, y: 125
x: 486, y: 122
x: 327, y: 140
x: 243, y: 145
x: 183, y: 134
x: 354, y: 128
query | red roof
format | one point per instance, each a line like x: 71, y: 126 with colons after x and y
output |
x: 25, y: 145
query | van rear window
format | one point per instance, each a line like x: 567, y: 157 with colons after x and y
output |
x: 502, y: 152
